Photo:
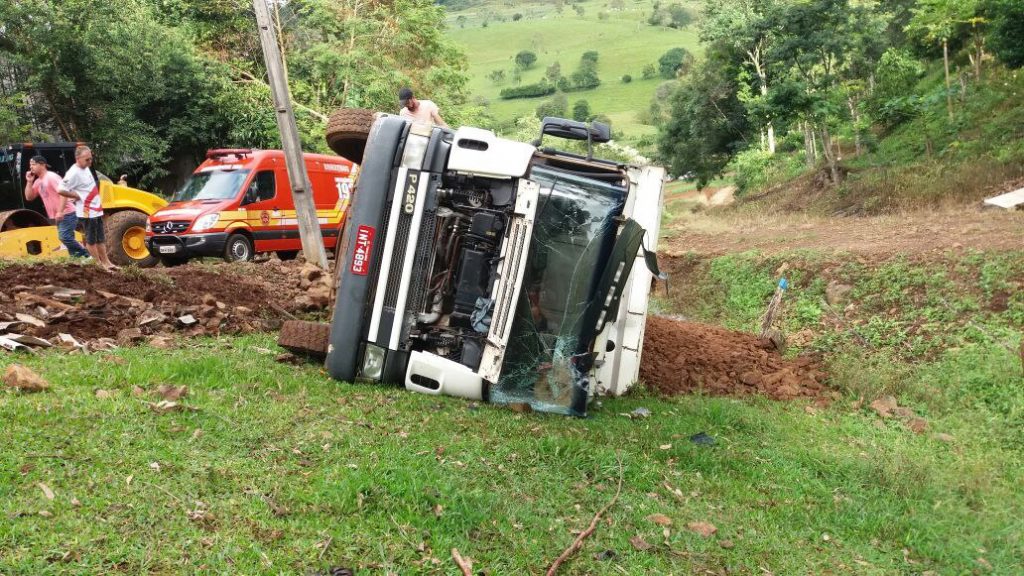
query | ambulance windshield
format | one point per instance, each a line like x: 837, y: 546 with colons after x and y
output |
x: 212, y: 185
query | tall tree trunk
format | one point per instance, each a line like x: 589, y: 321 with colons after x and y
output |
x: 830, y: 154
x: 855, y: 117
x: 949, y: 95
x: 808, y: 144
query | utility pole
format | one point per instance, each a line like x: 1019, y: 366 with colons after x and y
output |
x: 302, y: 191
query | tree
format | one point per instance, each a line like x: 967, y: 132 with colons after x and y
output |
x: 553, y: 72
x: 496, y: 76
x: 1006, y: 35
x: 581, y: 111
x: 679, y: 16
x: 525, y: 59
x: 517, y: 17
x: 461, y: 20
x: 936, y: 21
x: 674, y: 62
x: 557, y: 106
x: 707, y: 123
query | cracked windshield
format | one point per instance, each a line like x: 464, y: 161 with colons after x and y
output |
x: 574, y: 229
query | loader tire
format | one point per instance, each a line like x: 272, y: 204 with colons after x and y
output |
x: 126, y: 239
x: 307, y: 338
x: 347, y: 130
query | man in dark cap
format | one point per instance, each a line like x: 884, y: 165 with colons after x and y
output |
x: 419, y: 110
x: 41, y: 183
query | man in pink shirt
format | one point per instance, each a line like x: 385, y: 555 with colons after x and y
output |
x: 41, y: 183
x: 419, y: 110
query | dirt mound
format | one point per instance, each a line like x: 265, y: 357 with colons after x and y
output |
x: 90, y: 303
x: 684, y: 357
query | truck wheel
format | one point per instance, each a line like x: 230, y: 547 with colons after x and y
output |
x: 347, y: 130
x: 307, y: 338
x: 286, y: 255
x: 126, y: 239
x: 238, y: 248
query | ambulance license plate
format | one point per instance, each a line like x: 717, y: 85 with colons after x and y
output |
x: 168, y: 249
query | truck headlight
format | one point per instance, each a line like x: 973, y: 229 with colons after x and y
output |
x: 149, y: 226
x: 373, y: 362
x: 415, y: 150
x: 205, y: 222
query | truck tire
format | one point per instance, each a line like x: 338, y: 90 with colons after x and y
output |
x: 307, y: 338
x: 238, y: 248
x: 125, y: 231
x: 287, y: 255
x: 347, y: 131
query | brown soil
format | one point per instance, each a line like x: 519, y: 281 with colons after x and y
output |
x: 912, y: 233
x: 684, y: 357
x: 222, y: 298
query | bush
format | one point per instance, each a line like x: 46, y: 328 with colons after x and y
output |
x: 525, y: 59
x: 581, y: 111
x: 626, y: 78
x: 557, y: 106
x: 542, y: 88
x: 756, y: 169
x: 517, y: 17
x: 649, y: 71
x: 1007, y: 33
x: 673, y: 63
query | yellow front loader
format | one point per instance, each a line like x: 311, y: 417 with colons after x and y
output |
x: 25, y: 231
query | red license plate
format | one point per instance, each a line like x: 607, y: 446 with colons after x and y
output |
x: 364, y: 247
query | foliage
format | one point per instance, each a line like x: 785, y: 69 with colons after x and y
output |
x: 525, y: 59
x: 557, y: 106
x: 649, y: 71
x: 581, y: 111
x: 708, y: 122
x: 152, y: 81
x: 675, y: 62
x: 584, y: 77
x: 542, y: 88
x: 1007, y: 34
x: 626, y: 78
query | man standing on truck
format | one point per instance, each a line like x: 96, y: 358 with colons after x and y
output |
x: 419, y: 110
x: 41, y: 183
x: 81, y: 185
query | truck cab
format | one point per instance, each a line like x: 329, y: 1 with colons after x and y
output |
x: 238, y: 203
x: 481, y: 267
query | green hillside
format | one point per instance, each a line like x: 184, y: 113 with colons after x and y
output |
x: 623, y: 39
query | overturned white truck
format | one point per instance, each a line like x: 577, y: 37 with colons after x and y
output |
x: 480, y: 267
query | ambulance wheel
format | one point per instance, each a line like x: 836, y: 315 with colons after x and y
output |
x: 238, y: 248
x: 126, y: 239
x: 286, y: 255
x: 347, y: 131
x: 308, y: 338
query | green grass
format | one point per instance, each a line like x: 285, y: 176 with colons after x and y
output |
x: 276, y: 461
x: 624, y: 41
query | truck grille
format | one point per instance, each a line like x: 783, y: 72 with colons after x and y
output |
x: 419, y: 265
x: 505, y: 307
x: 170, y: 227
x: 398, y: 260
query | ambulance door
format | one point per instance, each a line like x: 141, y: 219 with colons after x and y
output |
x: 264, y: 207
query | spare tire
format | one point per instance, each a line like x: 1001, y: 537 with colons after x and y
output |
x: 347, y: 130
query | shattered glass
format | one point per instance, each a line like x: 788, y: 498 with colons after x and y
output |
x: 545, y: 363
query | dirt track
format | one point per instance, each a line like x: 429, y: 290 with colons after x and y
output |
x: 916, y: 233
